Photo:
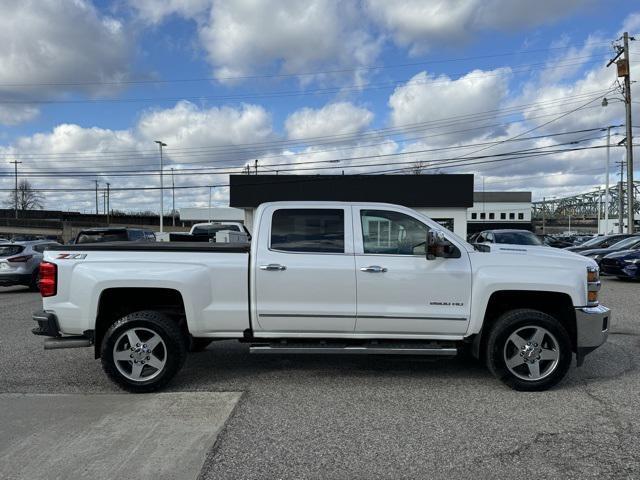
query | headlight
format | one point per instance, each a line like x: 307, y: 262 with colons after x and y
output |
x: 635, y: 261
x: 593, y: 275
x: 593, y: 286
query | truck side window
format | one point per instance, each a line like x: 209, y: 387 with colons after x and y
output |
x: 308, y: 230
x: 393, y: 233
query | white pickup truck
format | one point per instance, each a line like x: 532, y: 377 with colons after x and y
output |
x: 325, y: 278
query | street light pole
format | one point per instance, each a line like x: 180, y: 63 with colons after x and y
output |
x: 161, y: 144
x: 108, y: 203
x: 173, y: 197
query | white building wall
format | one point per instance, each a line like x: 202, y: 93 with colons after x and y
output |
x: 220, y: 214
x: 458, y: 215
x: 498, y: 209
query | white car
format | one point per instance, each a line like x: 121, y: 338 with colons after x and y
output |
x: 328, y: 278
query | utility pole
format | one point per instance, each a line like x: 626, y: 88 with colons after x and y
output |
x: 15, y: 193
x: 97, y: 212
x: 161, y: 144
x: 173, y: 195
x: 621, y: 200
x: 108, y: 201
x: 256, y: 166
x: 606, y: 187
x: 210, y: 187
x: 544, y: 213
x: 627, y: 103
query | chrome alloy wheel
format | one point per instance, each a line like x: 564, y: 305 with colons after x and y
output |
x: 531, y: 353
x: 140, y: 354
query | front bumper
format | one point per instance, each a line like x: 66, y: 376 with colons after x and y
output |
x: 592, y: 325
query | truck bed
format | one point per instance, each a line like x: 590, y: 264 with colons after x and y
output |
x: 154, y: 247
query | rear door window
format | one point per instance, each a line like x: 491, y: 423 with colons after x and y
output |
x: 308, y: 230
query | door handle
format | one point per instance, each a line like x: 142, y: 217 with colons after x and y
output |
x: 273, y: 267
x: 373, y: 269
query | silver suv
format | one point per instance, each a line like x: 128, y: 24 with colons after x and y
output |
x: 19, y: 262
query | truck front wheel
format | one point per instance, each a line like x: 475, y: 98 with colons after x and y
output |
x: 142, y: 351
x: 528, y: 350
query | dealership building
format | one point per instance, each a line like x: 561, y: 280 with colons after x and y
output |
x: 447, y: 199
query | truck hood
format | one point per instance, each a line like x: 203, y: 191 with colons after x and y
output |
x: 541, y: 251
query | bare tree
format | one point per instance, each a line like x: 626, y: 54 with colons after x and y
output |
x: 28, y: 198
x: 417, y: 167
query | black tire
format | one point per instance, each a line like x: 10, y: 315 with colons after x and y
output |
x: 35, y: 279
x: 199, y: 344
x: 498, y: 343
x: 173, y: 348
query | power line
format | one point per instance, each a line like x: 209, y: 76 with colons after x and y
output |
x: 289, y: 93
x: 357, y: 68
x: 443, y: 163
x: 407, y: 128
x: 212, y: 170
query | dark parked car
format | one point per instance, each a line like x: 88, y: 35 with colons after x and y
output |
x: 629, y: 243
x: 100, y: 235
x: 601, y: 241
x: 511, y: 237
x: 624, y: 264
x: 556, y: 242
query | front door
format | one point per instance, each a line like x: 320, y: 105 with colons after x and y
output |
x: 399, y: 290
x: 305, y: 281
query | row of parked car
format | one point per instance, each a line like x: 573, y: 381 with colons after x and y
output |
x: 617, y: 254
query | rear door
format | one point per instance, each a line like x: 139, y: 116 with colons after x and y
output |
x: 304, y: 272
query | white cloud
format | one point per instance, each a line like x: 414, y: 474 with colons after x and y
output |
x: 50, y: 41
x: 334, y: 119
x: 427, y: 98
x: 187, y: 125
x: 421, y: 24
x: 154, y: 11
x: 244, y: 35
x: 195, y: 136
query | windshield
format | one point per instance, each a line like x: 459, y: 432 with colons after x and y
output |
x: 626, y: 243
x: 98, y: 237
x: 10, y: 250
x: 517, y: 238
x: 594, y: 242
x: 211, y: 229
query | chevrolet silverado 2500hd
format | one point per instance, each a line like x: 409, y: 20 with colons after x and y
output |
x: 325, y: 278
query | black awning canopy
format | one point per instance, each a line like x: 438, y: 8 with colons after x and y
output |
x: 425, y: 191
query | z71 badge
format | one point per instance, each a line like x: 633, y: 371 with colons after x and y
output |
x: 71, y: 256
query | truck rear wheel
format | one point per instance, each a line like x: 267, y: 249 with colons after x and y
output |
x: 142, y: 351
x: 528, y: 350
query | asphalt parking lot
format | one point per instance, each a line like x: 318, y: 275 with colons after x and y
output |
x: 381, y: 417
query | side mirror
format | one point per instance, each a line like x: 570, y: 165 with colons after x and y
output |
x: 439, y: 246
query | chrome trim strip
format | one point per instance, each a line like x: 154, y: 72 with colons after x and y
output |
x: 302, y: 315
x: 393, y: 317
x: 354, y: 350
x: 400, y: 317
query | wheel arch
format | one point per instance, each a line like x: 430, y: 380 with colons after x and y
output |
x: 556, y: 304
x: 115, y: 303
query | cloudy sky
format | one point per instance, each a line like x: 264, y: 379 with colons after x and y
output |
x: 509, y: 90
